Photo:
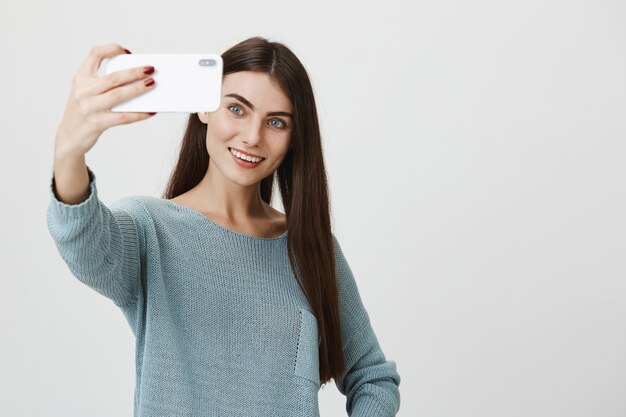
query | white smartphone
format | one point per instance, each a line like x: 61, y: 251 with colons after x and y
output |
x: 185, y: 83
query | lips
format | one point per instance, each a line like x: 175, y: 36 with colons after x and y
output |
x: 246, y: 153
x: 243, y: 163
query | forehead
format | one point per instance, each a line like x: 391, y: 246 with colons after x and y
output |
x: 259, y: 88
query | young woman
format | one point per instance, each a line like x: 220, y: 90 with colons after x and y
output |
x: 237, y: 308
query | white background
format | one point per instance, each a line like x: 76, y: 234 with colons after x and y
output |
x: 475, y: 152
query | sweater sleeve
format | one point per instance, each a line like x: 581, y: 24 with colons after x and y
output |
x: 370, y: 381
x: 100, y: 245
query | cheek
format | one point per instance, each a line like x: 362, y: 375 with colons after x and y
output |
x: 281, y: 147
x: 221, y: 128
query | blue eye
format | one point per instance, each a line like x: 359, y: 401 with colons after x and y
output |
x: 234, y: 105
x: 281, y: 126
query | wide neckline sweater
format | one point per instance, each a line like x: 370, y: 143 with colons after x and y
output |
x: 203, y: 218
x: 222, y: 327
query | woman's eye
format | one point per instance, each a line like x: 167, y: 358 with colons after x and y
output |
x: 280, y: 125
x: 234, y: 105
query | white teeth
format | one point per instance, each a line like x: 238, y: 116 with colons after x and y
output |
x: 245, y: 157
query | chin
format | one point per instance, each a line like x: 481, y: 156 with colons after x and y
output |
x: 242, y: 179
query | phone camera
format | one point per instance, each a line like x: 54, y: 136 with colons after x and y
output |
x: 207, y: 62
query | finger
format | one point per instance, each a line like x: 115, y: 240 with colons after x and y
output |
x: 114, y: 119
x: 115, y: 79
x: 105, y: 101
x: 96, y: 55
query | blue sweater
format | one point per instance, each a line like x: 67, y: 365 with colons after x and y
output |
x: 222, y: 327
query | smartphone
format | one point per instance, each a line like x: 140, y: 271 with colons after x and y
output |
x: 185, y: 83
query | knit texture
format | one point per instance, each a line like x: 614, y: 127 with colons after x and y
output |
x: 222, y: 327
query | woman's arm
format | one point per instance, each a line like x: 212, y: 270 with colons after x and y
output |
x: 100, y: 245
x: 370, y: 381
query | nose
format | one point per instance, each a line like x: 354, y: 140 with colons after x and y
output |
x: 253, y: 134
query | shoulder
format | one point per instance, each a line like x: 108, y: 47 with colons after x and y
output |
x: 128, y: 203
x: 344, y: 272
x: 337, y: 248
x: 139, y: 207
x: 157, y: 211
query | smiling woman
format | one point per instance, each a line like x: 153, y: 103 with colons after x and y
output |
x: 247, y: 133
x: 244, y: 146
x: 238, y: 309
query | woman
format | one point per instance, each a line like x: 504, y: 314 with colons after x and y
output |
x: 237, y: 308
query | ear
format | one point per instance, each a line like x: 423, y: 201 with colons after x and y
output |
x: 204, y: 117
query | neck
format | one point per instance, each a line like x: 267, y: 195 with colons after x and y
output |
x: 232, y: 202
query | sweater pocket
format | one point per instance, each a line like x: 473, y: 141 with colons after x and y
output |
x: 307, y: 353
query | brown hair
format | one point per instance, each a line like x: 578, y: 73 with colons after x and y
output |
x: 302, y: 181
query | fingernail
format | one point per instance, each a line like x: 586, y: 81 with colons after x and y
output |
x: 152, y: 114
x: 148, y: 70
x: 149, y: 82
x: 127, y: 51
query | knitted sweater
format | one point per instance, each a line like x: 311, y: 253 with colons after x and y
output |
x: 222, y: 327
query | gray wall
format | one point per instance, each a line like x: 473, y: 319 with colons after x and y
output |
x: 475, y: 153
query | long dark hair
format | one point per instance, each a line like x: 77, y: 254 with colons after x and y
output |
x: 303, y: 188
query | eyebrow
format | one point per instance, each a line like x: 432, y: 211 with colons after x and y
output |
x: 247, y: 103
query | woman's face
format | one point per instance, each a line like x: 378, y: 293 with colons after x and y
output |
x: 254, y: 119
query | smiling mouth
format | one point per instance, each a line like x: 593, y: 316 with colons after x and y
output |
x: 243, y: 157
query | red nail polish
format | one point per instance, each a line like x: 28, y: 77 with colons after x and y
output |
x: 127, y: 51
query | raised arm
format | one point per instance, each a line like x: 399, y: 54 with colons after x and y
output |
x: 101, y: 245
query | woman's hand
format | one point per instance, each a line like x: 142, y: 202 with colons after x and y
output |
x: 88, y: 111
